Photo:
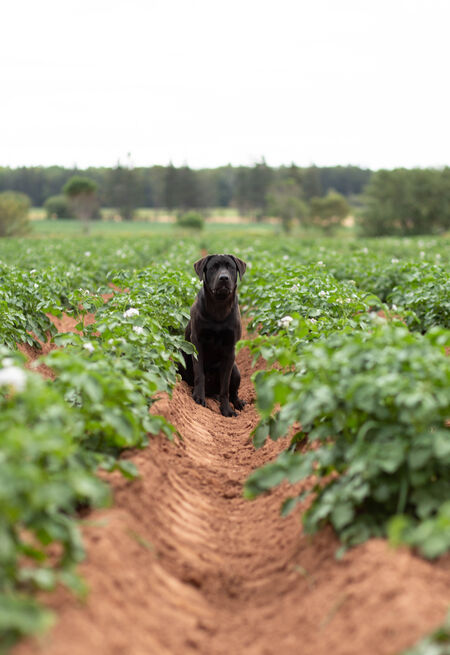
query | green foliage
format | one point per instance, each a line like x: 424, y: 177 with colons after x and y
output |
x: 374, y: 404
x: 252, y: 186
x: 78, y: 185
x: 418, y: 289
x: 21, y: 615
x: 24, y: 301
x: 110, y: 394
x: 44, y: 478
x: 122, y: 189
x: 182, y: 187
x: 57, y: 207
x: 280, y: 289
x: 191, y: 220
x: 284, y: 201
x: 329, y: 212
x: 81, y: 192
x: 437, y: 643
x: 407, y: 202
x: 13, y: 213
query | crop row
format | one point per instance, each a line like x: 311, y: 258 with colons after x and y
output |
x: 372, y: 396
x: 57, y: 433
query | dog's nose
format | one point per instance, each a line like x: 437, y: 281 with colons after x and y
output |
x: 224, y: 277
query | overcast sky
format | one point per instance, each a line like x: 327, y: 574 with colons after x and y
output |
x: 209, y: 82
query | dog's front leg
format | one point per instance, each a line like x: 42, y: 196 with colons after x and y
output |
x: 224, y: 395
x: 198, y: 392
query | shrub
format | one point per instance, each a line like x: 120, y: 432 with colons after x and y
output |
x: 14, y: 208
x: 81, y: 192
x: 329, y: 212
x: 57, y: 207
x: 192, y: 220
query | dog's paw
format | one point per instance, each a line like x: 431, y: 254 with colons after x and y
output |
x: 238, y: 403
x: 200, y: 400
x: 226, y: 410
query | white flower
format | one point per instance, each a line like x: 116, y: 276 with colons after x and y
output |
x: 33, y: 270
x: 131, y: 312
x: 322, y: 293
x: 313, y: 320
x: 8, y: 361
x: 394, y: 260
x: 438, y: 256
x: 87, y: 253
x: 285, y: 321
x: 365, y: 251
x: 320, y: 263
x: 422, y: 254
x: 89, y: 346
x: 295, y: 287
x: 13, y: 376
x: 394, y: 307
x: 348, y: 300
x: 36, y: 285
x: 138, y: 329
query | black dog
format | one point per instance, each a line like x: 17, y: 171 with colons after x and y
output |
x: 214, y: 328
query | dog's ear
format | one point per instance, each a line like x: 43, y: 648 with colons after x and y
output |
x: 241, y: 266
x: 199, y: 266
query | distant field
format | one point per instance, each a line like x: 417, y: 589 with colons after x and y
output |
x: 159, y: 221
x: 74, y: 227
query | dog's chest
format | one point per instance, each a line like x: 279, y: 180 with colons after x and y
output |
x: 217, y: 338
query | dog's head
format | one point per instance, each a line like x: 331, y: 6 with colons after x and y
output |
x: 219, y: 273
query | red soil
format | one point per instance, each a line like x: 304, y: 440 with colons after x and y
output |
x: 63, y: 324
x: 184, y: 565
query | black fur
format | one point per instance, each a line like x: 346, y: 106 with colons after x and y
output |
x: 214, y: 328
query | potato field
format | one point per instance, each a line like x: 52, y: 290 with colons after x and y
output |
x: 134, y: 521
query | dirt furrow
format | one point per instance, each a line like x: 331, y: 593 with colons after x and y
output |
x: 183, y: 564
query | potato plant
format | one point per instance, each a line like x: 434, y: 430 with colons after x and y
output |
x: 57, y: 433
x: 372, y: 397
x: 374, y: 404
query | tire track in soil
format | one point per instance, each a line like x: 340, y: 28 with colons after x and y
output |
x: 182, y: 564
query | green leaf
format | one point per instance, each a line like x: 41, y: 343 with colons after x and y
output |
x: 128, y: 468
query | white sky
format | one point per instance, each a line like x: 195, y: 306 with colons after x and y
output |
x: 208, y: 83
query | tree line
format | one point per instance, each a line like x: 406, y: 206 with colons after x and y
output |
x: 399, y: 202
x: 242, y: 187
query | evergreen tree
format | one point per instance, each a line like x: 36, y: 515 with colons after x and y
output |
x: 312, y: 186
